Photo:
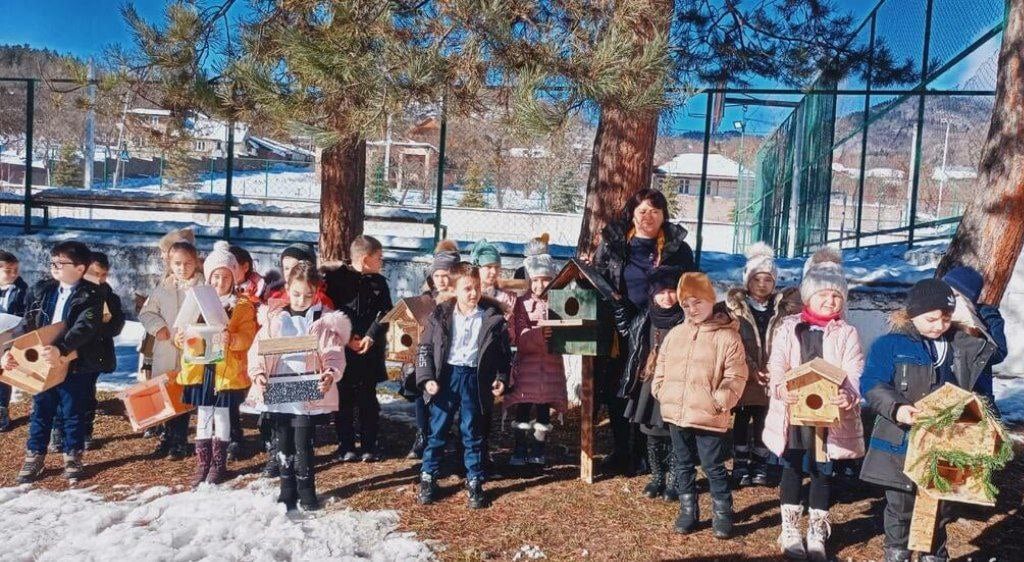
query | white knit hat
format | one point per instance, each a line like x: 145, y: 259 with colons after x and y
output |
x: 823, y: 271
x: 760, y: 259
x: 221, y: 257
x: 540, y: 265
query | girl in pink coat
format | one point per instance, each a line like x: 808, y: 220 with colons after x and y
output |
x: 538, y: 377
x: 819, y: 331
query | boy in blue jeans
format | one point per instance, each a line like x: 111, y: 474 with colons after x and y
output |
x: 464, y: 354
x: 78, y: 303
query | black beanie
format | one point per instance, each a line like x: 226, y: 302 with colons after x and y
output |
x: 661, y: 278
x: 928, y: 295
x: 301, y: 252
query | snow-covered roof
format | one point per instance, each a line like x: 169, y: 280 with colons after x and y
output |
x: 280, y: 148
x: 535, y: 152
x: 148, y: 111
x: 841, y: 169
x: 955, y: 173
x: 885, y: 173
x: 405, y: 144
x: 691, y: 163
x: 204, y: 127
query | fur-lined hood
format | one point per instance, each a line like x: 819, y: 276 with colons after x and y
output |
x: 786, y: 301
x: 900, y: 323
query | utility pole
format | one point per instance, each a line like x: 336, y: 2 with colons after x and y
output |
x: 89, y: 150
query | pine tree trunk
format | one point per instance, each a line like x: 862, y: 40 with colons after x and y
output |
x: 342, y: 187
x: 991, y: 234
x: 621, y: 166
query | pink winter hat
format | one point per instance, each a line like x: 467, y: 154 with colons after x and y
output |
x: 221, y: 256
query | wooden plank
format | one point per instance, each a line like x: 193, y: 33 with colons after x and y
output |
x: 570, y: 323
x: 922, y: 524
x: 819, y: 444
x: 280, y: 346
x: 587, y: 421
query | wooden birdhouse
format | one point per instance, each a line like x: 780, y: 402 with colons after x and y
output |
x: 11, y: 327
x: 203, y: 319
x: 952, y: 451
x: 406, y: 322
x: 33, y: 373
x: 579, y: 312
x: 817, y: 382
x: 285, y: 390
x: 153, y: 402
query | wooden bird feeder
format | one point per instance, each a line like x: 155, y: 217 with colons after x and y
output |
x: 285, y: 391
x: 581, y: 320
x: 203, y: 319
x: 406, y: 321
x: 968, y: 429
x: 817, y: 382
x: 153, y: 402
x: 33, y: 374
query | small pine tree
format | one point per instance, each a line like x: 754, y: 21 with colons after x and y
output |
x: 669, y: 187
x: 380, y: 191
x: 565, y: 195
x: 473, y: 189
x: 66, y: 172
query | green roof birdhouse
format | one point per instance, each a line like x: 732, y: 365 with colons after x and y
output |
x: 579, y: 312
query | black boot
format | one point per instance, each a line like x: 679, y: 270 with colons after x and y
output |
x: 273, y: 467
x: 689, y: 513
x: 428, y: 490
x: 741, y: 475
x: 722, y: 516
x: 655, y: 458
x: 305, y: 484
x: 416, y: 452
x: 475, y: 490
x: 289, y: 488
x: 671, y: 489
x: 893, y: 554
x: 759, y: 469
x: 521, y: 435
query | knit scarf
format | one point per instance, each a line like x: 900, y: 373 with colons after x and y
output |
x: 817, y: 320
x: 663, y: 318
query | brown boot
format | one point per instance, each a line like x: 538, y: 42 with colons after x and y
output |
x: 202, y: 461
x: 218, y: 462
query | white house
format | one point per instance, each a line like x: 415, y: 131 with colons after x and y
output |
x: 723, y: 174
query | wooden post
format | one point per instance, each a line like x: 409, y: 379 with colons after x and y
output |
x: 922, y: 524
x: 587, y: 421
x: 819, y: 443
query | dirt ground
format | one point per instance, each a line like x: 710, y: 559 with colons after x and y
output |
x: 550, y: 510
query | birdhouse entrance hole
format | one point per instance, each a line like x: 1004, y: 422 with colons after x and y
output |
x: 572, y: 306
x: 972, y: 413
x: 32, y: 355
x: 955, y: 476
x: 814, y: 402
x: 406, y: 340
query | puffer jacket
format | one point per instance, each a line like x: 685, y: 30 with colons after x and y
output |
x: 784, y: 303
x: 700, y: 373
x: 333, y: 330
x: 613, y: 253
x: 538, y: 377
x: 233, y: 372
x: 899, y: 371
x: 840, y: 347
x: 160, y: 311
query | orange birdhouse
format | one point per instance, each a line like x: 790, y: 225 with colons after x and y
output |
x: 817, y: 382
x: 33, y: 373
x: 153, y: 402
x: 405, y: 324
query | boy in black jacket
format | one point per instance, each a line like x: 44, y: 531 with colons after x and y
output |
x: 12, y: 301
x: 112, y: 322
x: 464, y: 352
x: 78, y: 303
x: 362, y: 293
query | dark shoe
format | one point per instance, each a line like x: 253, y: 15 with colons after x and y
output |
x: 897, y: 555
x: 689, y: 514
x: 932, y: 558
x: 721, y: 517
x: 370, y: 456
x: 289, y: 494
x: 152, y: 432
x: 5, y: 420
x: 178, y: 452
x: 306, y: 486
x: 416, y: 452
x: 475, y: 490
x: 428, y: 490
x: 56, y: 440
x: 520, y: 450
x: 218, y: 461
x: 272, y: 469
x: 538, y: 447
x: 73, y: 470
x: 761, y: 476
x: 348, y: 456
x: 234, y: 450
x: 655, y: 459
x: 163, y: 449
x: 616, y: 464
x: 203, y: 458
x: 31, y: 468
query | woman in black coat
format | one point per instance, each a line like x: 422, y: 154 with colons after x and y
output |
x: 629, y: 250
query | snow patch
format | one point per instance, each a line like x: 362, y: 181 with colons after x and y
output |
x: 211, y: 523
x: 529, y: 552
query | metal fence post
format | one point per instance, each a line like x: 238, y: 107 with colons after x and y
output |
x: 703, y: 179
x: 915, y: 186
x: 440, y: 173
x: 229, y: 171
x: 864, y: 137
x: 30, y: 111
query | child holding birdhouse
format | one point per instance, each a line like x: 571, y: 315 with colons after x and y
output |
x: 157, y: 317
x: 819, y: 332
x: 917, y: 357
x: 12, y: 301
x: 699, y: 376
x: 69, y: 298
x: 538, y: 377
x: 294, y: 422
x: 214, y: 388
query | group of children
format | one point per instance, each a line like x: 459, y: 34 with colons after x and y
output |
x: 697, y: 368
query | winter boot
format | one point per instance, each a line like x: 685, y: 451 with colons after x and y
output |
x: 203, y: 458
x: 818, y: 530
x: 234, y: 450
x: 475, y: 491
x: 56, y: 439
x: 420, y: 443
x: 537, y: 454
x: 741, y: 467
x: 759, y: 468
x: 305, y: 484
x: 893, y: 554
x: 289, y: 494
x: 521, y: 434
x: 218, y: 461
x: 273, y: 467
x: 5, y: 419
x: 791, y: 540
x: 32, y: 467
x: 722, y: 517
x: 428, y: 490
x: 671, y: 488
x: 689, y: 514
x: 932, y: 558
x: 655, y: 452
x: 73, y: 470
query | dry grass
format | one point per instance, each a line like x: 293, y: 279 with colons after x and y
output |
x: 551, y: 510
